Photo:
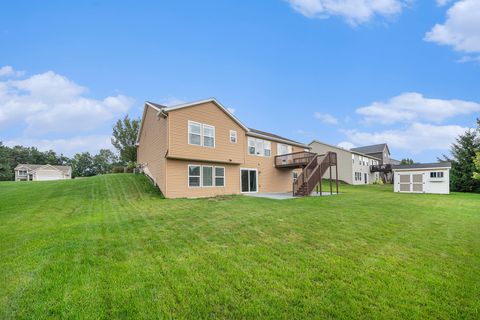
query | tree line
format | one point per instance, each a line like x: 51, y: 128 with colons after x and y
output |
x: 464, y: 156
x: 83, y: 164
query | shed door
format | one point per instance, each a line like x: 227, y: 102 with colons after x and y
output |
x: 417, y: 182
x: 411, y: 182
x: 405, y: 182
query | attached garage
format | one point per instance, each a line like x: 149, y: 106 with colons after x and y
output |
x: 422, y: 178
x: 42, y: 172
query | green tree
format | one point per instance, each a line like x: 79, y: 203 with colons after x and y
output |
x: 6, y: 171
x: 463, y: 152
x: 476, y: 161
x: 103, y: 161
x: 407, y: 161
x: 125, y: 137
x: 11, y: 157
x: 82, y: 165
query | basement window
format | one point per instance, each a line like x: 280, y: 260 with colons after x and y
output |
x: 193, y: 176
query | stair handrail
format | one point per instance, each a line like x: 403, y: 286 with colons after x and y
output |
x: 316, y: 176
x: 313, y: 172
x: 302, y: 177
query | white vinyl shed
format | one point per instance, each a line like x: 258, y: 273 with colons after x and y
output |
x: 422, y: 178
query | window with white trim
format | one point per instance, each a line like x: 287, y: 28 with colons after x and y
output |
x: 194, y: 174
x: 233, y: 136
x: 194, y: 133
x: 436, y: 174
x: 251, y: 146
x: 267, y: 148
x: 208, y: 136
x: 283, y: 149
x: 358, y: 176
x: 205, y: 176
x: 22, y: 172
x: 201, y: 134
x: 219, y: 176
x: 259, y: 147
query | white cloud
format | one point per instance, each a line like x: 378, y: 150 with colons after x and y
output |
x: 441, y: 3
x: 411, y: 106
x: 326, y: 118
x: 415, y: 138
x: 353, y: 11
x: 90, y: 143
x: 346, y: 145
x: 8, y: 71
x: 461, y: 30
x: 231, y: 110
x: 49, y: 102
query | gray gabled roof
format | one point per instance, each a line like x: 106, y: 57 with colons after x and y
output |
x: 275, y: 137
x: 422, y: 165
x: 156, y: 105
x: 343, y: 149
x: 376, y: 148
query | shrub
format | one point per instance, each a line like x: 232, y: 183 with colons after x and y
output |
x: 117, y: 169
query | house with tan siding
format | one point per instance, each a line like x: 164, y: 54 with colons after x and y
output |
x: 200, y: 149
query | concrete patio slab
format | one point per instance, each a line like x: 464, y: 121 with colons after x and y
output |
x: 284, y: 195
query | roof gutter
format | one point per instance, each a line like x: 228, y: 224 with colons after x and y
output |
x: 293, y: 143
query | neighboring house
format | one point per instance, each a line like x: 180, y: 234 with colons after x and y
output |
x: 42, y: 172
x: 395, y: 162
x: 382, y: 152
x: 355, y: 166
x: 379, y: 151
x: 201, y: 149
x: 422, y: 178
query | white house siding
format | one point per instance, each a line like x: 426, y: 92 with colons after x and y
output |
x: 347, y: 167
x: 361, y: 164
x: 430, y: 185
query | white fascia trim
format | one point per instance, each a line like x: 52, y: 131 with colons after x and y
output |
x: 137, y: 141
x: 258, y: 135
x: 190, y: 104
x: 421, y: 169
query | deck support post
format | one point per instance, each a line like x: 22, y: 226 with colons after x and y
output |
x: 330, y: 167
x: 336, y: 175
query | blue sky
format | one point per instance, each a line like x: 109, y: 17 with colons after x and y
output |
x: 349, y: 72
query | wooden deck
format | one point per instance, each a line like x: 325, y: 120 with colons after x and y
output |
x: 294, y: 160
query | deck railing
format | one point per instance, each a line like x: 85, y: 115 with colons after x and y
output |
x: 381, y: 168
x: 294, y: 160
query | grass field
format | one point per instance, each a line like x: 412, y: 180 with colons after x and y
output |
x: 111, y: 247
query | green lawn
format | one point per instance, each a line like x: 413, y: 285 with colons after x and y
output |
x: 111, y: 247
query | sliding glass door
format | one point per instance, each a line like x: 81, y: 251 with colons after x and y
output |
x: 248, y: 180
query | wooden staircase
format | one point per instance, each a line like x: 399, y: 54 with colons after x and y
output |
x: 313, y: 172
